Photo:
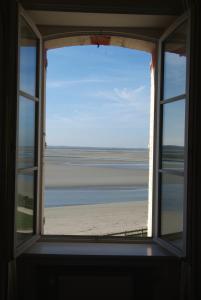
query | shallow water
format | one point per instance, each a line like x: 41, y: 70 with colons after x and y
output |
x: 88, y: 195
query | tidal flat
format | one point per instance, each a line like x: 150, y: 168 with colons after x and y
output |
x: 95, y: 191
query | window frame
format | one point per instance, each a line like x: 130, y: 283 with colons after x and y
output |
x: 160, y: 101
x: 41, y: 142
x: 37, y: 99
x: 157, y: 122
x: 85, y: 238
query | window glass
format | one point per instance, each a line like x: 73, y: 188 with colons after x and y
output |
x: 172, y: 195
x: 25, y: 206
x: 26, y: 135
x: 175, y: 63
x: 173, y: 135
x: 28, y: 58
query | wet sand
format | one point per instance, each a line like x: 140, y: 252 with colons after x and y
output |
x: 78, y: 168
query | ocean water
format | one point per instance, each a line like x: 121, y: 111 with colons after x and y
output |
x: 84, y: 196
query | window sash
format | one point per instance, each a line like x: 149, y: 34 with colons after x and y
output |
x: 158, y: 145
x: 35, y: 168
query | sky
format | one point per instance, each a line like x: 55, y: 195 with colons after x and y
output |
x: 98, y: 97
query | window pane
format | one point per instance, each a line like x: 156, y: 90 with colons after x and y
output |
x: 175, y: 63
x: 173, y: 135
x: 172, y: 196
x: 28, y: 58
x: 26, y: 135
x: 25, y: 206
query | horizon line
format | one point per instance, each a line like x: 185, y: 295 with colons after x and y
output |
x: 93, y: 147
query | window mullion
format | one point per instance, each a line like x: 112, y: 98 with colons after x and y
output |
x: 27, y: 170
x: 26, y: 95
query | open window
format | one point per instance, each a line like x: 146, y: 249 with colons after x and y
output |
x: 173, y: 134
x: 28, y: 131
x: 96, y: 160
x: 170, y: 137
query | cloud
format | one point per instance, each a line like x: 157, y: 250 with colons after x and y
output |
x: 124, y: 97
x: 112, y: 108
x: 175, y: 59
x: 128, y: 95
x: 63, y: 83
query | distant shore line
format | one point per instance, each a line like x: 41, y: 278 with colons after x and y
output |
x: 98, y: 204
x: 93, y: 148
x: 96, y: 187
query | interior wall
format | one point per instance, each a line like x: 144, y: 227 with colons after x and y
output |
x: 151, y: 142
x: 8, y: 83
x: 172, y: 7
x: 104, y: 277
x: 194, y: 161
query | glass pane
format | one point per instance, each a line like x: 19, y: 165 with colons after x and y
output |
x: 28, y: 59
x: 173, y: 135
x: 25, y: 207
x: 26, y: 135
x: 175, y: 63
x: 172, y: 196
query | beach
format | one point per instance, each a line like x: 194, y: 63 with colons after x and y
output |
x: 99, y: 219
x: 95, y: 191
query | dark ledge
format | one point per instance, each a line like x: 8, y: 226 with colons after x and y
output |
x: 93, y: 249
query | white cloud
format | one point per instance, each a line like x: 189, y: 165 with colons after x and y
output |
x: 63, y: 83
x: 129, y: 96
x: 124, y: 97
x: 125, y: 110
x: 66, y: 82
x: 175, y: 59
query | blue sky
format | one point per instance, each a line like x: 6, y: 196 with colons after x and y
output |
x: 98, y: 97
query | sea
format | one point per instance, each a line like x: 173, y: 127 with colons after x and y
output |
x: 117, y: 159
x: 88, y: 196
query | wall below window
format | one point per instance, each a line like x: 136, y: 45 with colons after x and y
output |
x: 87, y: 274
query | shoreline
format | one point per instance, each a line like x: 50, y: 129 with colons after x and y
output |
x: 95, y: 187
x: 84, y: 204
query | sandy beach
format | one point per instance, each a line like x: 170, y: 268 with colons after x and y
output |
x: 87, y: 170
x: 97, y: 219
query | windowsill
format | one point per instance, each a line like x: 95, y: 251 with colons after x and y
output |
x: 146, y: 249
